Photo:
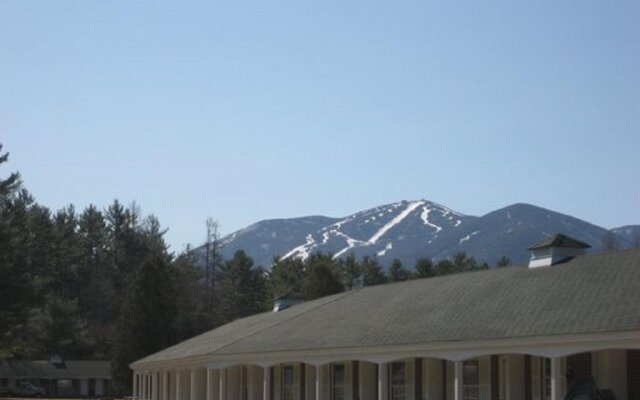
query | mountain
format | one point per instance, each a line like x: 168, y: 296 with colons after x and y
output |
x: 408, y: 230
x: 627, y: 236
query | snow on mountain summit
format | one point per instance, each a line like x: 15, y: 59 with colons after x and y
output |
x: 408, y: 230
x: 379, y: 231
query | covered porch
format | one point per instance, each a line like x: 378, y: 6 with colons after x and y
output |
x: 533, y: 375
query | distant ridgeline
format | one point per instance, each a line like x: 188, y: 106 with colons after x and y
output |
x: 409, y: 230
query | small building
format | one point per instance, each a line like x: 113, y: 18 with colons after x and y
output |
x: 69, y: 378
x: 566, y: 321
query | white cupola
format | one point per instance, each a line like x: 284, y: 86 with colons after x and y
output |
x: 556, y: 249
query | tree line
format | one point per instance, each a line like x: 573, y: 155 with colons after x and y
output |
x: 101, y: 283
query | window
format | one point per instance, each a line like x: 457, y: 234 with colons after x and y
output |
x: 287, y: 382
x: 338, y: 382
x: 397, y: 381
x: 471, y: 380
x: 546, y: 379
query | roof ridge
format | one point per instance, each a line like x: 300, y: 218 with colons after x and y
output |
x: 337, y: 297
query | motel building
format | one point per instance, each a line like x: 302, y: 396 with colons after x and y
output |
x: 567, y: 321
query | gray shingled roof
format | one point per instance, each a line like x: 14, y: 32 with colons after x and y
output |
x: 46, y: 370
x: 589, y: 294
x: 560, y: 240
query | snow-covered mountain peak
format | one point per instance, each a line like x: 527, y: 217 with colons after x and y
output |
x: 408, y: 230
x: 377, y: 230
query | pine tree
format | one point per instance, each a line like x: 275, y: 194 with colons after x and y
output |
x: 352, y: 271
x: 424, y: 268
x: 286, y: 276
x: 146, y: 320
x: 372, y: 272
x: 62, y: 273
x: 10, y: 184
x: 58, y: 328
x: 191, y: 317
x: 242, y: 289
x: 212, y: 263
x: 15, y: 286
x: 503, y: 261
x: 97, y: 298
x: 397, y: 272
x: 463, y: 263
x: 322, y: 277
x: 443, y: 267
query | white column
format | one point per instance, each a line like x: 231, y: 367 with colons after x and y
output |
x: 382, y: 381
x: 556, y: 379
x: 319, y: 382
x: 178, y: 384
x: 457, y: 380
x: 155, y: 385
x: 134, y: 393
x: 165, y: 385
x: 223, y: 386
x: 266, y: 383
x: 144, y: 385
x: 209, y: 395
x: 194, y: 390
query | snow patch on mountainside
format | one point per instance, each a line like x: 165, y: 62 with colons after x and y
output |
x: 469, y: 236
x: 395, y: 221
x: 425, y: 219
x: 302, y: 251
x: 418, y: 228
x: 382, y: 252
x: 351, y: 243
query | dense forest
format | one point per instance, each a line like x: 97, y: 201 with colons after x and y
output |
x: 101, y: 283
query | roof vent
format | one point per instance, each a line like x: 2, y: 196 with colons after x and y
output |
x: 554, y: 250
x: 287, y: 300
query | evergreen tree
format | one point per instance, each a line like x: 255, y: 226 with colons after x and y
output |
x: 62, y: 273
x: 443, y: 267
x: 10, y: 184
x: 58, y: 328
x: 126, y: 244
x: 483, y: 266
x: 242, y: 289
x: 146, y: 319
x: 397, y: 272
x: 373, y: 273
x: 503, y: 261
x: 15, y: 288
x: 463, y: 263
x: 352, y: 271
x: 322, y: 277
x: 212, y: 263
x: 424, y: 268
x: 191, y: 317
x: 286, y: 276
x: 97, y: 300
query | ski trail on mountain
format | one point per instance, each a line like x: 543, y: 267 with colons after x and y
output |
x: 395, y: 221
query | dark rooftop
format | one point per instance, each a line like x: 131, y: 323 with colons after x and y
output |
x: 45, y: 369
x: 560, y: 240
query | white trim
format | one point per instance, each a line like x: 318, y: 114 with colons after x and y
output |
x: 543, y: 346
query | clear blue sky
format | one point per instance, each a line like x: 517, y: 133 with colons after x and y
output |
x: 247, y: 110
